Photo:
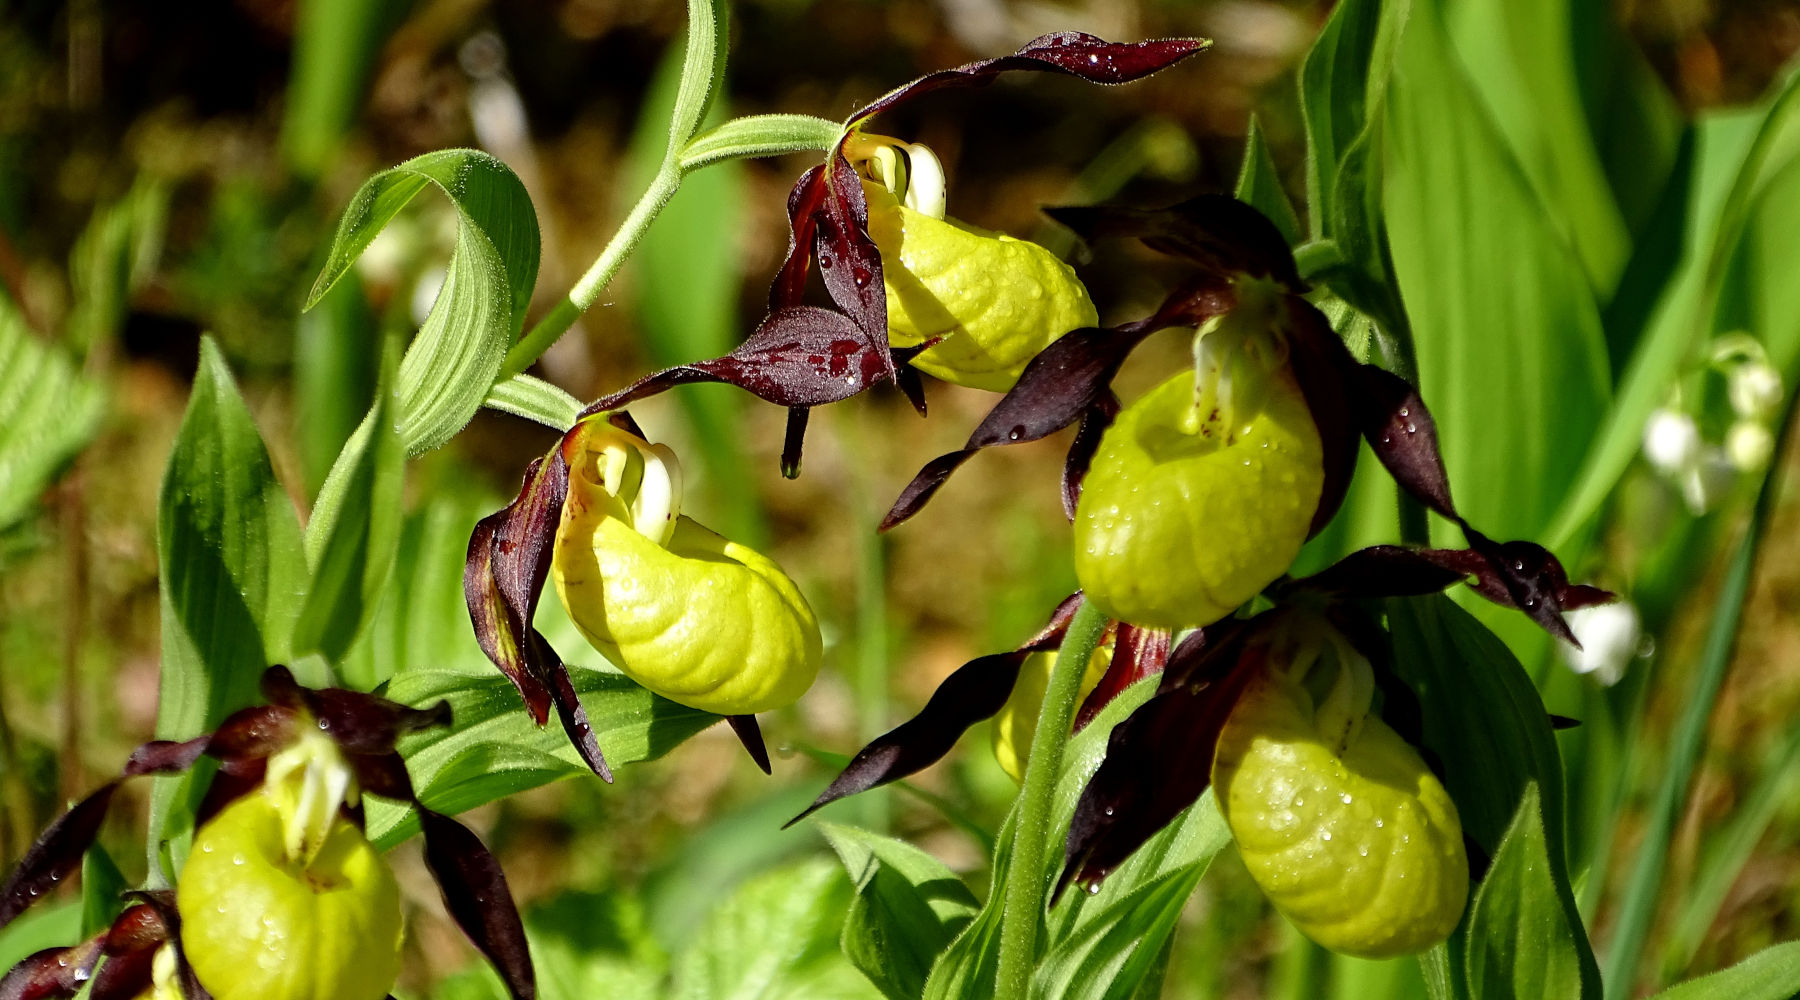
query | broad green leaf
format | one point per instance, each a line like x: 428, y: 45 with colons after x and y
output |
x: 493, y: 749
x: 1511, y: 355
x: 103, y: 889
x: 907, y: 906
x: 1769, y: 974
x: 51, y: 410
x: 1485, y: 722
x: 1523, y: 60
x: 1764, y: 264
x: 335, y: 45
x: 1259, y: 185
x: 1112, y: 941
x: 584, y: 946
x: 50, y: 925
x: 534, y: 399
x: 454, y: 360
x: 231, y: 566
x: 1334, y: 83
x: 760, y: 135
x: 354, y: 534
x: 1522, y: 943
x: 969, y: 966
x: 111, y: 259
x: 775, y: 938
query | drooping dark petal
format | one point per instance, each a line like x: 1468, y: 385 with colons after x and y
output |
x: 366, y: 723
x: 1071, y: 52
x: 130, y: 949
x: 508, y: 562
x: 166, y: 756
x: 51, y: 974
x: 1137, y: 653
x: 56, y: 854
x: 798, y: 356
x: 1393, y: 571
x: 476, y: 894
x: 750, y: 735
x: 1081, y: 452
x: 975, y: 691
x: 254, y: 733
x: 1051, y: 635
x: 163, y: 901
x: 849, y: 261
x: 568, y: 708
x: 1057, y: 388
x: 1324, y: 369
x: 793, y: 441
x: 789, y: 286
x: 1158, y: 762
x: 1220, y: 234
x: 383, y: 774
x: 1403, y: 436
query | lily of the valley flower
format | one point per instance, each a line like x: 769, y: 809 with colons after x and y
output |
x: 282, y: 896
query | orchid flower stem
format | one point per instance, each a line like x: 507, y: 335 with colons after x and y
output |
x: 1026, y: 878
x: 587, y: 291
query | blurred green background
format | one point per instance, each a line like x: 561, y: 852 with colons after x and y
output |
x: 173, y: 169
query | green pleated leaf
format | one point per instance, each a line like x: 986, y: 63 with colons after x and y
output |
x: 967, y: 969
x: 906, y: 908
x: 1103, y: 946
x: 1333, y: 90
x: 337, y: 360
x: 452, y: 363
x: 492, y: 749
x: 1770, y: 974
x: 1484, y: 721
x: 774, y: 938
x: 354, y: 534
x: 1521, y: 941
x: 1259, y: 185
x: 231, y: 565
x: 1511, y: 355
x: 51, y: 409
x: 760, y: 135
x: 1526, y: 62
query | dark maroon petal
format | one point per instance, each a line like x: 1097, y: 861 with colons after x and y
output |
x: 130, y: 951
x: 383, y: 774
x: 1137, y: 653
x: 975, y: 691
x: 568, y: 708
x: 1324, y: 370
x: 56, y: 854
x: 163, y: 901
x: 793, y: 441
x: 1158, y: 762
x: 1220, y: 234
x: 51, y: 973
x: 235, y: 779
x: 508, y: 561
x: 1081, y: 452
x: 1403, y: 436
x: 849, y: 262
x: 1051, y: 635
x: 923, y: 487
x: 366, y: 723
x: 476, y: 894
x: 750, y: 735
x: 798, y: 356
x: 254, y: 733
x: 166, y: 756
x: 912, y: 386
x: 789, y: 286
x: 1071, y: 52
x: 1394, y: 571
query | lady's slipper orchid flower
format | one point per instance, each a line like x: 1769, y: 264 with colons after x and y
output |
x: 282, y: 896
x: 686, y: 613
x: 980, y: 304
x: 977, y: 325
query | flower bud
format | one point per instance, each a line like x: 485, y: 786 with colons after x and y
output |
x: 686, y: 613
x: 260, y: 924
x: 994, y: 300
x: 1202, y: 491
x: 1671, y: 442
x: 1611, y: 636
x: 1016, y: 723
x: 1749, y: 445
x: 1337, y: 818
x: 1755, y: 390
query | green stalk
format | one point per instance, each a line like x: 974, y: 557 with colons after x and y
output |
x: 1638, y: 910
x: 1026, y: 881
